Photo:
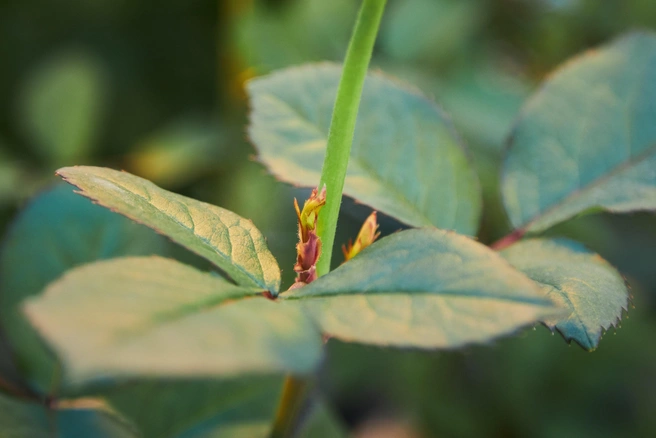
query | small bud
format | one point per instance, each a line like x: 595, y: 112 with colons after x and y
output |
x: 368, y: 235
x: 308, y: 248
x: 307, y: 218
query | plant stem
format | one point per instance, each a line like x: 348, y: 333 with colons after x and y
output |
x: 342, y: 125
x: 293, y: 393
x: 338, y: 150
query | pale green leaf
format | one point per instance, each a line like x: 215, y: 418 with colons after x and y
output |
x: 594, y: 293
x: 56, y: 231
x: 587, y: 139
x: 406, y: 160
x: 229, y: 241
x: 424, y: 288
x: 61, y: 107
x: 157, y: 317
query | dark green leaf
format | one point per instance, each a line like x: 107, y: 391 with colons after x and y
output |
x: 196, y: 408
x: 589, y: 287
x: 158, y: 317
x: 222, y: 237
x: 406, y: 160
x: 22, y: 420
x: 424, y: 288
x: 55, y: 232
x: 587, y: 139
x: 80, y: 418
x: 84, y: 418
x: 62, y: 105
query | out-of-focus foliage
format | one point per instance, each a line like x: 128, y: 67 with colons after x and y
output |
x: 163, y: 63
x: 61, y: 105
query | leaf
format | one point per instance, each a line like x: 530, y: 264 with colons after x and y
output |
x: 406, y: 159
x: 91, y: 417
x: 587, y: 139
x: 157, y: 317
x: 56, y: 231
x: 73, y: 419
x: 193, y: 408
x: 61, y: 107
x: 229, y: 241
x: 22, y: 420
x: 589, y: 287
x: 424, y: 288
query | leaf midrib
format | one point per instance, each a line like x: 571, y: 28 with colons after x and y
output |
x: 444, y: 294
x: 203, y: 240
x: 164, y: 318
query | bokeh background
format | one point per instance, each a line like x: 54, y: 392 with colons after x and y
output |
x: 156, y: 88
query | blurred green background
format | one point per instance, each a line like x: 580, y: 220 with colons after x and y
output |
x: 156, y: 88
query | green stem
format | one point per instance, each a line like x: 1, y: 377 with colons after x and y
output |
x: 338, y: 150
x: 293, y: 393
x: 342, y: 125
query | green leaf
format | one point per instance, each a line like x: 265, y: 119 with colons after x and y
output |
x: 587, y: 139
x: 55, y: 232
x: 73, y: 419
x: 589, y: 287
x: 22, y: 420
x: 193, y: 408
x: 157, y: 317
x: 406, y: 160
x: 87, y: 417
x: 61, y: 107
x: 425, y: 288
x: 229, y: 241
